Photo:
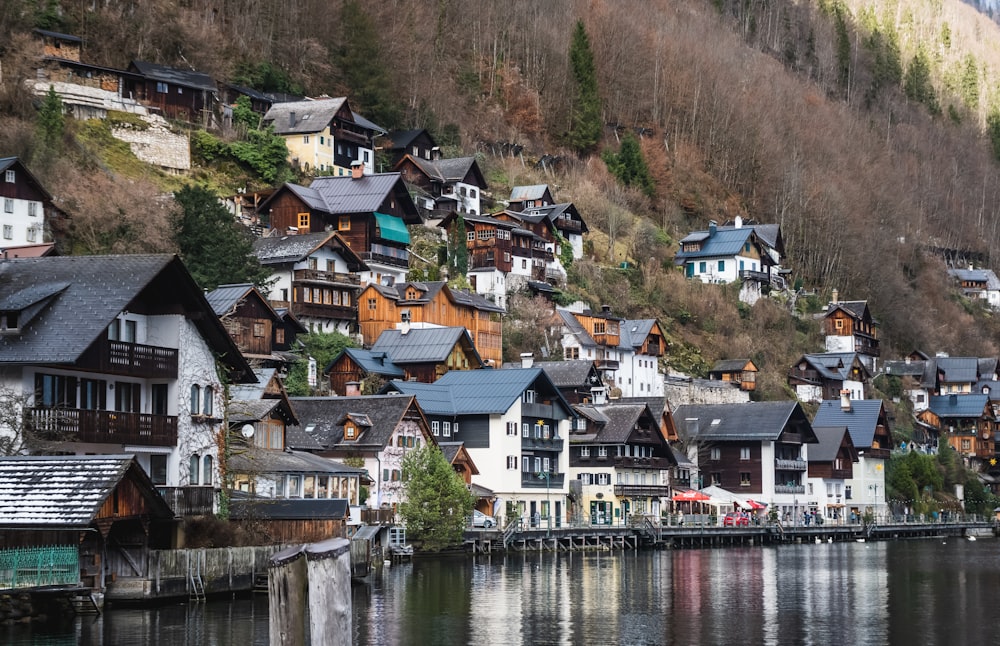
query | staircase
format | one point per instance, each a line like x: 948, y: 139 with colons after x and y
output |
x: 196, y: 586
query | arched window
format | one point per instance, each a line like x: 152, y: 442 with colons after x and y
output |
x: 207, y: 472
x: 195, y: 399
x: 195, y: 461
x: 207, y: 401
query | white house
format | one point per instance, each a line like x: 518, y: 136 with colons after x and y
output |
x: 27, y: 208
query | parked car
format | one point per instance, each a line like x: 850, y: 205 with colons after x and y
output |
x: 733, y: 519
x: 479, y: 519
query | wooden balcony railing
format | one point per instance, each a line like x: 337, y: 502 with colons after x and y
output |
x: 103, y: 426
x: 189, y: 501
x: 790, y: 465
x: 331, y: 277
x: 642, y: 491
x: 131, y: 359
x: 626, y: 462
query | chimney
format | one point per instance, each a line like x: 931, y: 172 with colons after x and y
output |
x: 291, y: 119
x: 845, y: 400
x: 712, y: 227
x: 357, y: 169
x: 599, y: 395
x: 605, y: 309
x: 352, y: 389
x: 953, y: 400
x: 527, y: 359
x: 738, y: 224
x: 834, y: 296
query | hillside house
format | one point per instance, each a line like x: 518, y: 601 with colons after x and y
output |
x: 579, y: 381
x: 185, y: 95
x: 251, y: 322
x: 868, y: 423
x: 323, y: 135
x: 981, y: 284
x: 514, y: 423
x: 740, y: 372
x: 831, y: 468
x: 848, y: 326
x: 444, y: 185
x: 417, y: 143
x: 370, y: 213
x: 967, y: 422
x: 120, y: 353
x: 533, y: 249
x: 816, y: 377
x: 430, y: 304
x: 28, y: 215
x: 316, y: 277
x: 491, y: 252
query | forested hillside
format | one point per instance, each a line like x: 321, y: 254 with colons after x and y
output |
x: 862, y: 128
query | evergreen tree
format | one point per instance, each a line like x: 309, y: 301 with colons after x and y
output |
x: 993, y: 129
x: 321, y: 346
x: 970, y: 82
x: 216, y: 249
x: 437, y: 501
x: 629, y: 166
x: 585, y: 124
x: 51, y: 122
x: 364, y: 68
x: 458, y: 251
x: 843, y: 45
x: 917, y: 82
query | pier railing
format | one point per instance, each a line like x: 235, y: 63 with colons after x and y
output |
x: 34, y: 567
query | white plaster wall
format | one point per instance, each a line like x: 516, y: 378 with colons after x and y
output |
x: 196, y: 365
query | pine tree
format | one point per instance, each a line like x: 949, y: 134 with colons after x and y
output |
x: 364, y: 69
x: 629, y: 166
x: 216, y: 249
x: 585, y: 124
x: 51, y: 122
x: 458, y: 251
x: 917, y: 82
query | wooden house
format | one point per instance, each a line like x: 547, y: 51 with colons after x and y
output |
x: 739, y: 372
x: 250, y: 321
x: 831, y: 468
x: 432, y: 302
x: 89, y: 520
x: 579, y: 381
x: 417, y: 143
x: 523, y: 198
x: 369, y: 212
x: 849, y: 327
x: 176, y: 93
x: 966, y: 421
x: 490, y: 245
x: 816, y: 377
x: 356, y: 371
x: 450, y: 185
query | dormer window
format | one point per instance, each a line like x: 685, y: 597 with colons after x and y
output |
x: 350, y: 431
x: 9, y: 322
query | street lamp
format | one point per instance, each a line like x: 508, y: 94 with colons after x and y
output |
x: 548, y: 502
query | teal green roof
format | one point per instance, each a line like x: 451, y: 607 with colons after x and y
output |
x: 392, y: 228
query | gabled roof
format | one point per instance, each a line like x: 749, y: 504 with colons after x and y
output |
x: 254, y: 459
x: 10, y: 162
x: 857, y: 310
x: 309, y: 115
x: 986, y: 276
x: 362, y: 195
x: 427, y: 290
x: 225, y: 298
x: 453, y: 450
x: 532, y: 192
x: 89, y: 292
x: 321, y: 418
x: 67, y: 490
x: 769, y: 234
x: 569, y: 374
x: 455, y: 169
x: 835, y: 366
x: 830, y: 440
x: 175, y: 76
x: 756, y: 421
x: 424, y: 345
x: 633, y: 332
x: 730, y: 365
x: 861, y: 419
x: 371, y: 362
x: 576, y: 328
x: 370, y: 125
x: 403, y: 138
x: 622, y: 420
x: 296, y: 248
x: 958, y: 369
x: 482, y: 392
x: 724, y: 243
x: 552, y: 213
x: 958, y: 406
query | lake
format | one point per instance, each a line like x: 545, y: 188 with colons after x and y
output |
x: 916, y: 592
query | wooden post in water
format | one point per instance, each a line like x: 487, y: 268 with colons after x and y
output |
x: 309, y: 594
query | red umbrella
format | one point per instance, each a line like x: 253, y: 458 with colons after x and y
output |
x: 756, y: 505
x: 691, y: 495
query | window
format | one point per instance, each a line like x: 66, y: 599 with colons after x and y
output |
x: 158, y: 469
x: 303, y: 221
x: 472, y: 193
x: 33, y: 209
x: 584, y: 451
x: 847, y: 492
x: 8, y: 205
x: 32, y: 234
x: 10, y: 176
x: 344, y: 223
x: 279, y: 336
x: 8, y: 232
x: 385, y: 475
x: 572, y: 353
x: 55, y: 390
x: 208, y: 400
x: 446, y: 429
x: 525, y: 430
x: 714, y: 454
x: 162, y: 88
x: 470, y: 236
x: 195, y: 399
x: 602, y: 451
x: 744, y: 452
x: 600, y: 327
x: 194, y: 465
x: 206, y: 473
x: 702, y: 267
x: 94, y: 394
x: 180, y: 90
x: 454, y: 428
x: 839, y: 324
x: 528, y: 397
x: 436, y: 428
x: 744, y: 479
x: 128, y: 397
x: 717, y: 479
x: 511, y: 462
x: 293, y: 487
x: 538, y: 431
x: 305, y: 139
x: 603, y: 478
x: 511, y: 428
x: 322, y: 140
x: 586, y: 478
x: 258, y: 329
x: 350, y: 430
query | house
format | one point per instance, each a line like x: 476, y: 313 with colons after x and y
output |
x: 370, y: 212
x: 816, y: 377
x: 260, y: 102
x: 28, y: 216
x: 981, y: 284
x: 831, y: 468
x: 490, y: 245
x: 567, y: 223
x: 356, y: 371
x: 323, y: 135
x: 252, y: 323
x: 917, y: 378
x: 316, y: 277
x: 450, y: 185
x: 757, y: 450
x: 966, y: 421
x: 868, y: 423
x: 523, y: 198
x: 119, y: 353
x: 619, y: 462
x: 514, y: 424
x: 375, y: 432
x: 579, y: 381
x: 82, y: 522
x: 848, y: 326
x: 285, y: 341
x: 186, y: 95
x: 417, y: 143
x: 533, y: 249
x: 740, y: 372
x: 432, y: 304
x: 730, y: 253
x: 625, y: 352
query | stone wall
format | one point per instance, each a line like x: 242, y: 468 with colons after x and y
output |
x: 682, y: 390
x: 157, y: 145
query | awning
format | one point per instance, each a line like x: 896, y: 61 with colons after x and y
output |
x: 392, y: 228
x: 756, y: 505
x: 690, y: 495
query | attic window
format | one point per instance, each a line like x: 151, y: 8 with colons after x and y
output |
x: 9, y: 322
x: 350, y: 431
x: 10, y: 176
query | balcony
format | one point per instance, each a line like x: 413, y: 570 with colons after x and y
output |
x: 541, y: 444
x: 881, y: 454
x: 757, y: 276
x: 567, y: 224
x: 319, y: 310
x: 625, y: 462
x: 130, y: 359
x: 103, y: 426
x: 530, y: 480
x: 606, y: 364
x: 790, y: 465
x: 537, y: 410
x: 642, y: 491
x: 327, y: 277
x: 789, y: 489
x: 842, y: 474
x: 189, y: 501
x: 371, y: 256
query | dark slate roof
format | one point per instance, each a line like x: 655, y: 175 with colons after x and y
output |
x: 988, y: 387
x: 295, y: 248
x: 88, y: 292
x: 553, y: 211
x: 348, y: 195
x: 65, y: 490
x: 310, y: 116
x: 250, y: 410
x: 308, y: 195
x: 633, y: 332
x: 272, y: 461
x: 622, y: 419
x: 225, y: 297
x: 321, y: 418
x: 955, y: 406
x: 568, y: 374
x: 904, y: 368
x: 365, y: 123
x: 254, y: 390
x: 756, y: 421
x: 682, y: 459
x: 958, y: 369
x: 447, y: 170
x: 185, y: 78
x: 533, y: 192
x: 289, y: 508
x: 856, y: 309
x: 470, y: 392
x: 56, y: 34
x: 725, y: 242
x: 422, y: 345
x: 987, y: 367
x: 729, y: 365
x: 427, y: 290
x: 375, y: 363
x: 832, y: 365
x: 576, y: 329
x: 403, y: 138
x: 830, y: 438
x: 861, y: 420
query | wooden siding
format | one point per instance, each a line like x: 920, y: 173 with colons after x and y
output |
x: 277, y: 532
x: 729, y: 466
x: 284, y: 210
x: 341, y: 372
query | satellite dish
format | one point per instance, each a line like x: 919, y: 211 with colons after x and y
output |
x: 247, y: 431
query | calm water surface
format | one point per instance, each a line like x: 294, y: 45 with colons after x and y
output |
x: 910, y: 593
